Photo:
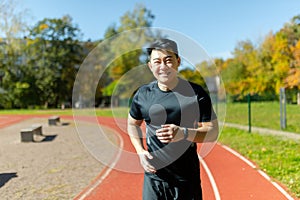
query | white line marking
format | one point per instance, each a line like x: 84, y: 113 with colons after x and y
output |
x: 282, y: 191
x: 211, y: 178
x: 239, y: 156
x: 107, y: 171
x: 263, y: 174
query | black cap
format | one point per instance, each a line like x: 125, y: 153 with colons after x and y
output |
x: 163, y: 44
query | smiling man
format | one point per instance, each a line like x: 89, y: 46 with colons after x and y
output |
x: 178, y: 114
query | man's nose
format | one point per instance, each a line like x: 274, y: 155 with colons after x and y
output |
x: 163, y: 66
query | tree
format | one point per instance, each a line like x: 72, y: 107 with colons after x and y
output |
x: 127, y: 47
x: 193, y: 76
x: 54, y: 51
x: 236, y: 74
x: 12, y: 30
x: 292, y: 30
x: 293, y: 78
x: 264, y: 68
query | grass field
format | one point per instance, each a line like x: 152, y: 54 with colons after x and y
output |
x: 264, y: 114
x: 279, y: 158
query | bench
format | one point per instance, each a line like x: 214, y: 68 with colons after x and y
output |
x: 53, y: 120
x: 27, y: 133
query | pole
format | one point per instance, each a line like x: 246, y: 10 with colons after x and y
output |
x: 249, y: 112
x: 282, y: 109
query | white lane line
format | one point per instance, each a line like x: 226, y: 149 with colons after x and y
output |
x: 278, y: 187
x: 239, y: 156
x: 211, y: 178
x: 282, y: 191
x: 107, y: 170
x: 263, y: 174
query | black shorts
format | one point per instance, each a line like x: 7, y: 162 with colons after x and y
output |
x: 160, y: 190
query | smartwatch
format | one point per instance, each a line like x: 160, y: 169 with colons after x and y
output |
x: 185, y: 133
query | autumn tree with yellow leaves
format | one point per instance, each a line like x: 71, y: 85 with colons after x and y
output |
x: 262, y: 69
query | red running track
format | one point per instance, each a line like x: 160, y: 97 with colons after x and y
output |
x: 6, y: 120
x: 227, y: 176
x: 224, y: 174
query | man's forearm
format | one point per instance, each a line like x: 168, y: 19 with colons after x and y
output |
x: 205, y: 133
x: 136, y: 137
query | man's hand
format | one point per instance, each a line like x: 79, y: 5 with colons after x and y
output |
x: 169, y: 133
x: 144, y: 157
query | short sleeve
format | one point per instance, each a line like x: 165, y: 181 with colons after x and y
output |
x: 207, y: 112
x: 135, y: 107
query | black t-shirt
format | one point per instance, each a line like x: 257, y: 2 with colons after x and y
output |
x: 185, y: 106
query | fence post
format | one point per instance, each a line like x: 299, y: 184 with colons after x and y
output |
x: 249, y: 112
x: 282, y: 109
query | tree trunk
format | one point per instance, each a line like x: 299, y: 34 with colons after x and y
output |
x: 46, y: 105
x: 298, y: 97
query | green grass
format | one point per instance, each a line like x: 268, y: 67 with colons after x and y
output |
x: 36, y: 112
x: 121, y: 112
x: 278, y: 157
x: 106, y: 112
x: 264, y: 114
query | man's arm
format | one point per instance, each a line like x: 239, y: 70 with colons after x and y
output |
x: 206, y: 132
x: 136, y: 137
x: 135, y: 133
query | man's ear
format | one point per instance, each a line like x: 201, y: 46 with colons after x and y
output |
x: 149, y: 65
x: 179, y: 60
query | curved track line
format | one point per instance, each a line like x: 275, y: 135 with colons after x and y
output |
x: 239, y: 156
x: 263, y: 174
x: 276, y: 185
x: 105, y: 172
x: 211, y: 178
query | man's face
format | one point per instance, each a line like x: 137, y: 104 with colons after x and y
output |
x: 164, y: 65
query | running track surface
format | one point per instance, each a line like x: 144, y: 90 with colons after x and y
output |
x: 224, y: 174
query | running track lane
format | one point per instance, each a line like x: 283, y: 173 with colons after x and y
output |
x: 122, y: 185
x: 117, y: 185
x: 6, y: 120
x: 238, y: 178
x: 233, y: 177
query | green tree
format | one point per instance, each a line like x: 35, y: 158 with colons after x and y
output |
x: 193, y: 76
x: 12, y: 30
x: 54, y: 52
x: 236, y: 75
x: 127, y: 47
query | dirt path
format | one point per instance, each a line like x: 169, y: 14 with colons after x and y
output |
x: 56, y: 166
x: 283, y: 134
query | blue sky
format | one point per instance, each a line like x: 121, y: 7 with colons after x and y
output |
x: 217, y: 25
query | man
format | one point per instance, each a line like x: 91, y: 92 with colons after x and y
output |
x: 178, y: 114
